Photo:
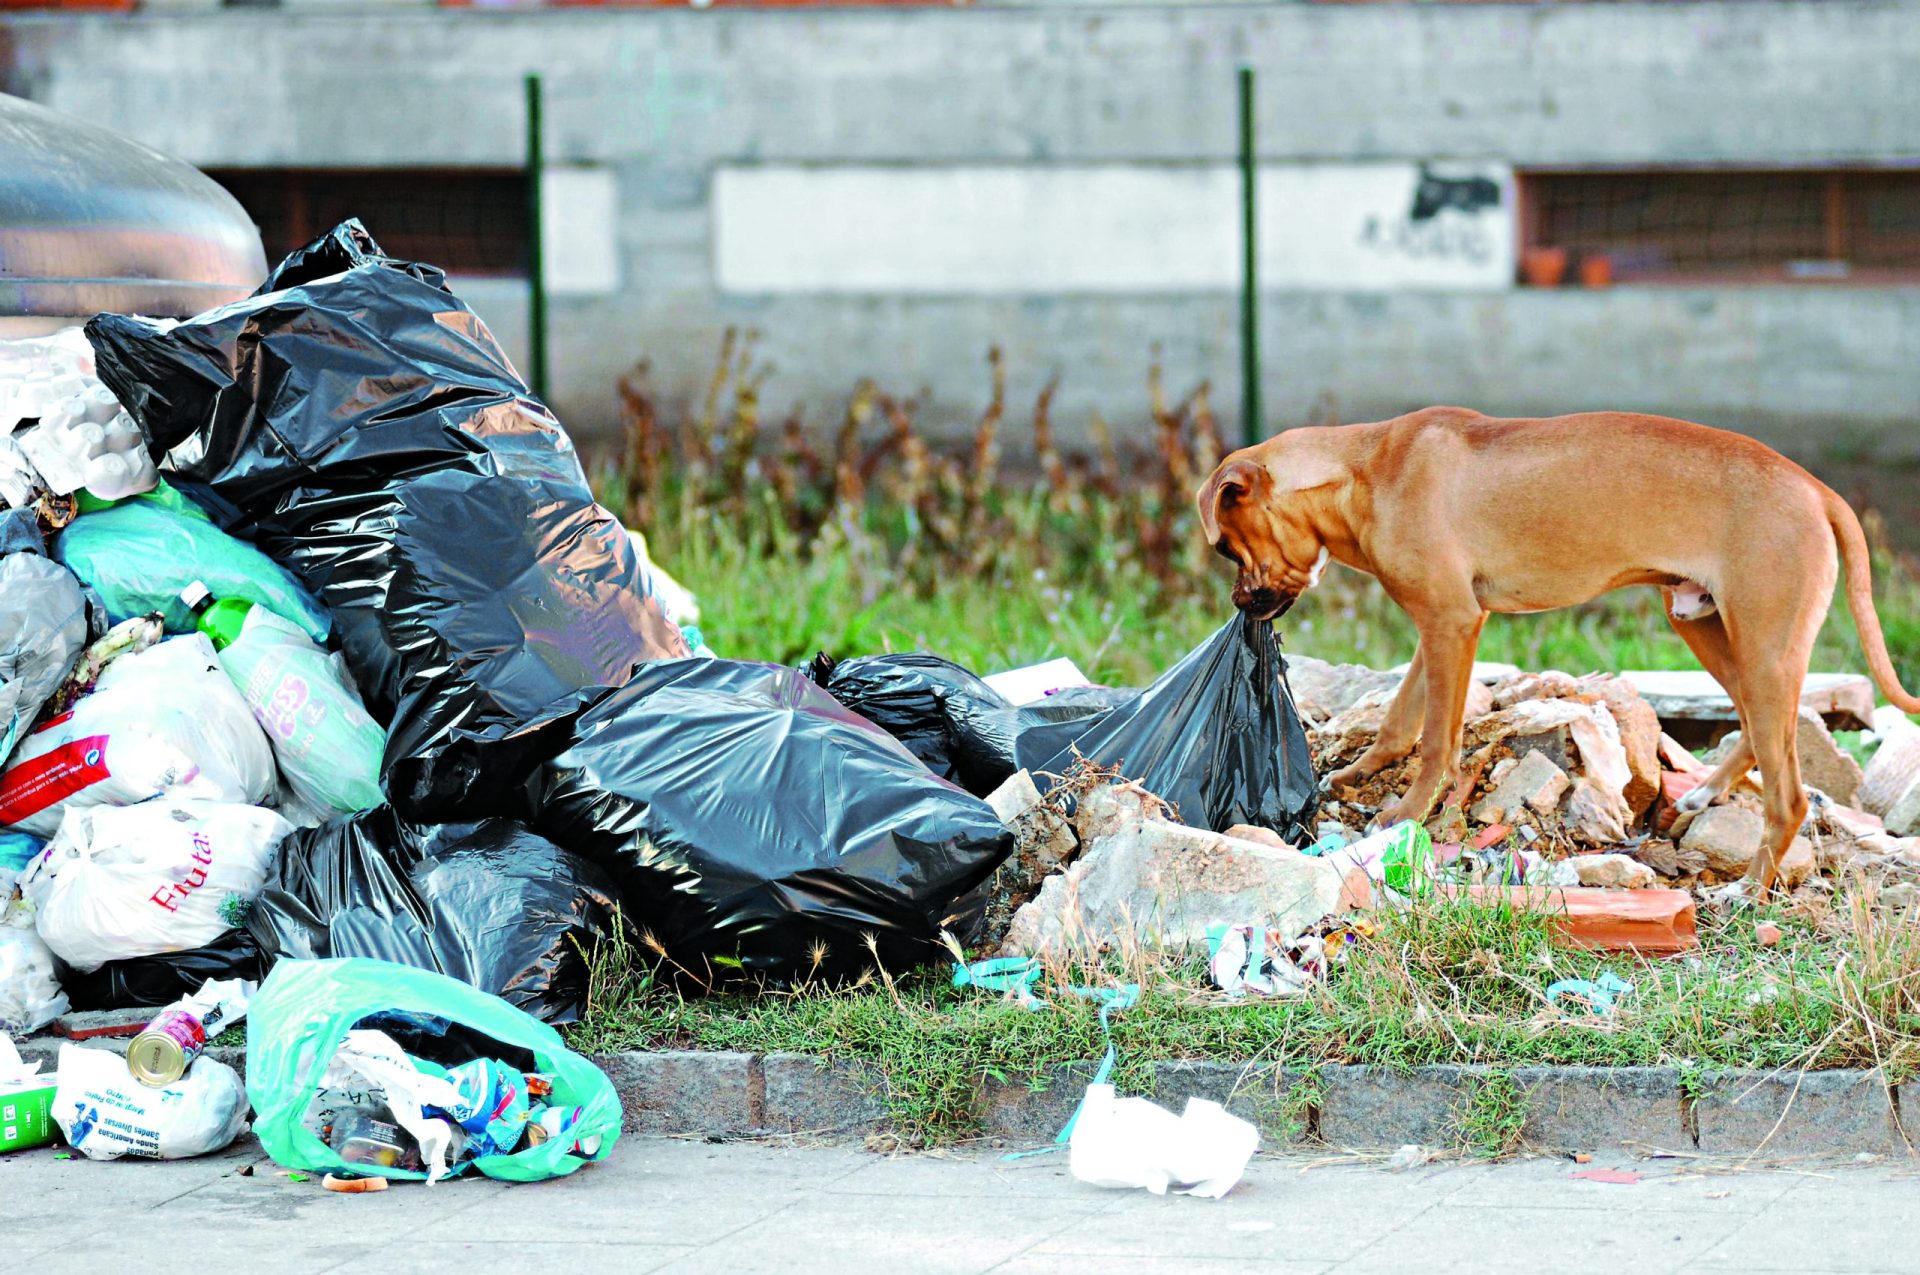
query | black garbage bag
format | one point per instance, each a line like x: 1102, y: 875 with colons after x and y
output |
x: 363, y: 428
x: 491, y: 904
x: 946, y: 716
x: 758, y: 828
x: 1217, y: 735
x: 165, y: 978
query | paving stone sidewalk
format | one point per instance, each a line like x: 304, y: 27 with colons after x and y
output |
x: 693, y: 1206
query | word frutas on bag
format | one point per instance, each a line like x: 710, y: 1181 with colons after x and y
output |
x: 172, y: 894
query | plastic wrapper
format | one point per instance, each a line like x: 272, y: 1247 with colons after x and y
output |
x: 1216, y: 735
x: 757, y: 827
x: 30, y: 992
x: 946, y: 716
x: 306, y: 1012
x: 44, y: 625
x: 491, y: 904
x: 369, y: 434
x: 161, y: 722
x: 141, y: 553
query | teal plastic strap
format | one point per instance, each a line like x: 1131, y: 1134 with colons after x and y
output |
x: 1018, y: 975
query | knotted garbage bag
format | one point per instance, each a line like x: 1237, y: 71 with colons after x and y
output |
x: 363, y: 428
x: 757, y: 827
x: 945, y: 715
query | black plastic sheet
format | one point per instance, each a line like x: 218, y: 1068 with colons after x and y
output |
x: 945, y: 715
x: 757, y: 828
x: 165, y: 978
x: 490, y: 903
x: 363, y: 427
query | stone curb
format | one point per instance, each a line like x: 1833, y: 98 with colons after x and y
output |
x: 1640, y: 1109
x: 694, y: 1093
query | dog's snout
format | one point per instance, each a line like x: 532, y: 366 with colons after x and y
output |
x: 1262, y: 602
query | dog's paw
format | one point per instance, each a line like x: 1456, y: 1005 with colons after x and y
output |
x: 1696, y: 800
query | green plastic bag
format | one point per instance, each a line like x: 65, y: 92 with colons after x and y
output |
x: 305, y: 1009
x: 141, y: 552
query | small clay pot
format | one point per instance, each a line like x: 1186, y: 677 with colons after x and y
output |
x: 1544, y: 267
x: 1596, y: 271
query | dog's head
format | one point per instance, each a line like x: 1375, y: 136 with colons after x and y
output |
x: 1250, y: 519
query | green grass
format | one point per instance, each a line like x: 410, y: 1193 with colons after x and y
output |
x: 1441, y: 983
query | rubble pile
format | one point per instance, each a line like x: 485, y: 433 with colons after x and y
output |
x: 1583, y: 772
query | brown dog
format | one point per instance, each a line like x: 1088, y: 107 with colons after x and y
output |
x: 1458, y: 515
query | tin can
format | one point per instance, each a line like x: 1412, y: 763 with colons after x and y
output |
x: 161, y: 1053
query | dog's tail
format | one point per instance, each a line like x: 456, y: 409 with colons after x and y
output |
x: 1858, y: 565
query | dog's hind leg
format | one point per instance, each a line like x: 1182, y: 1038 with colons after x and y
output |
x: 1448, y: 640
x: 1398, y: 732
x: 1707, y: 639
x: 1772, y: 637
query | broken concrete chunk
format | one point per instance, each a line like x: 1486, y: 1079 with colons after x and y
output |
x: 1823, y: 763
x: 1322, y: 691
x: 1640, y: 736
x: 1890, y: 787
x: 1614, y: 871
x: 1532, y: 782
x: 1265, y: 836
x: 1151, y: 881
x: 1843, y: 700
x: 1730, y: 835
x: 1551, y: 684
x: 1679, y: 758
x: 1592, y: 815
x: 1014, y: 797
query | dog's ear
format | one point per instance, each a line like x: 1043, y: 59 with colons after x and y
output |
x: 1233, y: 482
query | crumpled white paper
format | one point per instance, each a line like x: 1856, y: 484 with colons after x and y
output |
x: 1130, y: 1142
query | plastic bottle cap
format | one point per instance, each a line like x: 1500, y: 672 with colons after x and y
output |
x: 195, y: 594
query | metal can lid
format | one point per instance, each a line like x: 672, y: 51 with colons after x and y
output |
x: 156, y: 1060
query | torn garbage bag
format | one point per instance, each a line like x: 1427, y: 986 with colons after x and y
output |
x: 44, y: 625
x: 755, y: 826
x: 371, y: 436
x: 947, y: 717
x: 308, y: 1011
x: 1217, y: 735
x: 491, y: 904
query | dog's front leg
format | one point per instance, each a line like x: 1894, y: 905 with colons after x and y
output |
x: 1448, y: 641
x: 1399, y: 731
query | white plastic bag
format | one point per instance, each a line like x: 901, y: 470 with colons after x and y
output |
x: 161, y: 721
x: 1130, y: 1142
x: 30, y: 995
x: 105, y: 1113
x: 163, y: 876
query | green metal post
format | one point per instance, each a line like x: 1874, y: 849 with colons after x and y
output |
x: 1251, y: 427
x: 536, y: 239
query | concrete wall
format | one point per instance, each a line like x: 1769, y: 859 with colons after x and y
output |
x: 651, y: 106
